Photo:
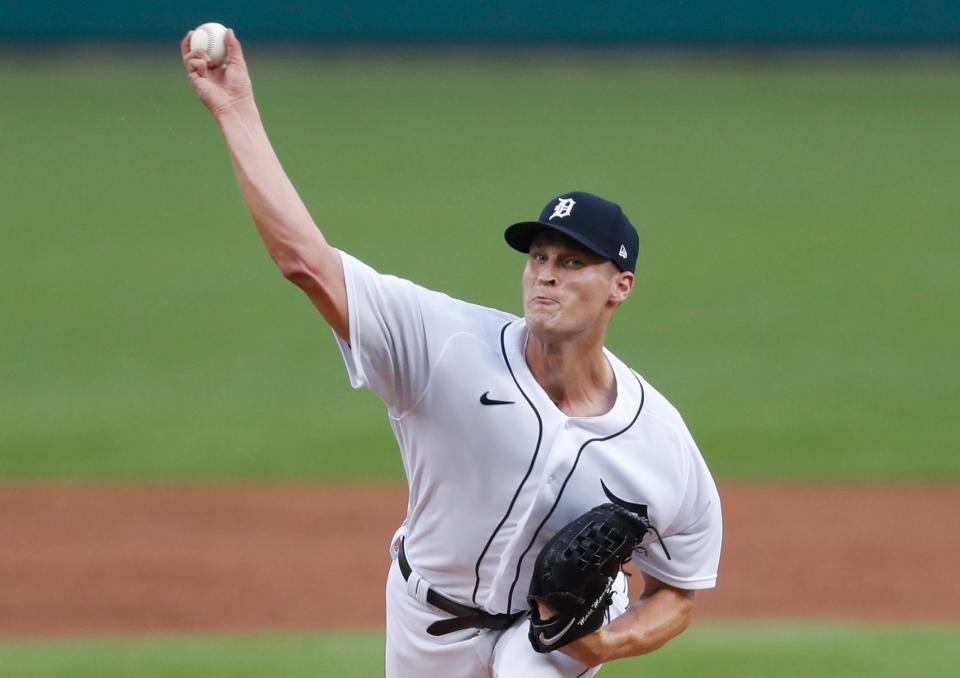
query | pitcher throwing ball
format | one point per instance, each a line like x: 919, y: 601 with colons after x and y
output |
x: 537, y: 461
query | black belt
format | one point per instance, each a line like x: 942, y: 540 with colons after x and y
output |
x: 464, y: 616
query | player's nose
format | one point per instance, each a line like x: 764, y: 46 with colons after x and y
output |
x: 547, y: 274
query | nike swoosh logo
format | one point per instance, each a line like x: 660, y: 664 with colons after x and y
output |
x: 484, y: 400
x: 553, y: 639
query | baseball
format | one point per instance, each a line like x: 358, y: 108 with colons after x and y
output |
x: 209, y: 37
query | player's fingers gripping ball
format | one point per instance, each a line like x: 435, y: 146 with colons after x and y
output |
x: 210, y: 37
x: 574, y: 573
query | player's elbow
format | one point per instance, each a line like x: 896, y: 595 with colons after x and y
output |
x: 309, y: 268
x: 681, y: 618
x: 302, y: 272
x: 676, y: 618
x: 298, y: 272
x: 683, y: 604
x: 684, y: 615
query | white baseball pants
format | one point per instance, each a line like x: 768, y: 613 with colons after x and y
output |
x: 472, y: 653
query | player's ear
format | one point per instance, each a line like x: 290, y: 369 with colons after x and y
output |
x: 622, y: 287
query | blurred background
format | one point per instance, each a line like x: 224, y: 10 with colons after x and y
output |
x: 173, y: 414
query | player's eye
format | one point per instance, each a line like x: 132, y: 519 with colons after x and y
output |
x: 572, y: 262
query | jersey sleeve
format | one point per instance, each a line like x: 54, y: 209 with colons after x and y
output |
x: 694, y: 536
x: 396, y: 330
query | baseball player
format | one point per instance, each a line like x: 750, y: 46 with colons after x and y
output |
x: 509, y: 427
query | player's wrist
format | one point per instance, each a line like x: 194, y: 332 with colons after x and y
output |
x: 242, y: 108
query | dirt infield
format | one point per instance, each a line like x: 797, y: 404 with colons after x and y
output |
x: 79, y: 559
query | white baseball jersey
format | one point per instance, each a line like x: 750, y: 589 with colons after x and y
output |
x: 494, y: 467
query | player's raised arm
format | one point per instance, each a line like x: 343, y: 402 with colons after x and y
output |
x: 286, y: 227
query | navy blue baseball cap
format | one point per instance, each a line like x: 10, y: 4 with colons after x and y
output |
x: 597, y: 224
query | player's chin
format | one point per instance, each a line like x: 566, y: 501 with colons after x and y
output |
x: 544, y: 323
x: 536, y: 316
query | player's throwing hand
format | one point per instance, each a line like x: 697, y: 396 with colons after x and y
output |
x: 220, y: 88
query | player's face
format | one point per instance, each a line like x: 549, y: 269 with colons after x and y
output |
x: 568, y: 290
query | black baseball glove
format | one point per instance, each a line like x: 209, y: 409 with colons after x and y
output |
x: 574, y: 572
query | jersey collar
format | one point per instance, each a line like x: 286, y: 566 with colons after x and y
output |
x: 629, y: 390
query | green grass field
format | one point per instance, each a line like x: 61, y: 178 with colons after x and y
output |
x: 727, y: 651
x: 797, y: 295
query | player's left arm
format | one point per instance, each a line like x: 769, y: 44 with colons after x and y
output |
x: 662, y: 612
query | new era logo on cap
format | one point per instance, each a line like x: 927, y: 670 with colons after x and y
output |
x: 597, y: 224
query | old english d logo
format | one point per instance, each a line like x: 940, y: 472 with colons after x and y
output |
x: 563, y: 209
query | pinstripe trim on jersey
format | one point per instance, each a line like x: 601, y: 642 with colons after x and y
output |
x: 533, y: 461
x: 564, y: 486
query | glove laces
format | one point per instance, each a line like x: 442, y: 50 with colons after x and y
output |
x: 659, y: 538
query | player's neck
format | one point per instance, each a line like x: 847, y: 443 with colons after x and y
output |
x: 575, y: 375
